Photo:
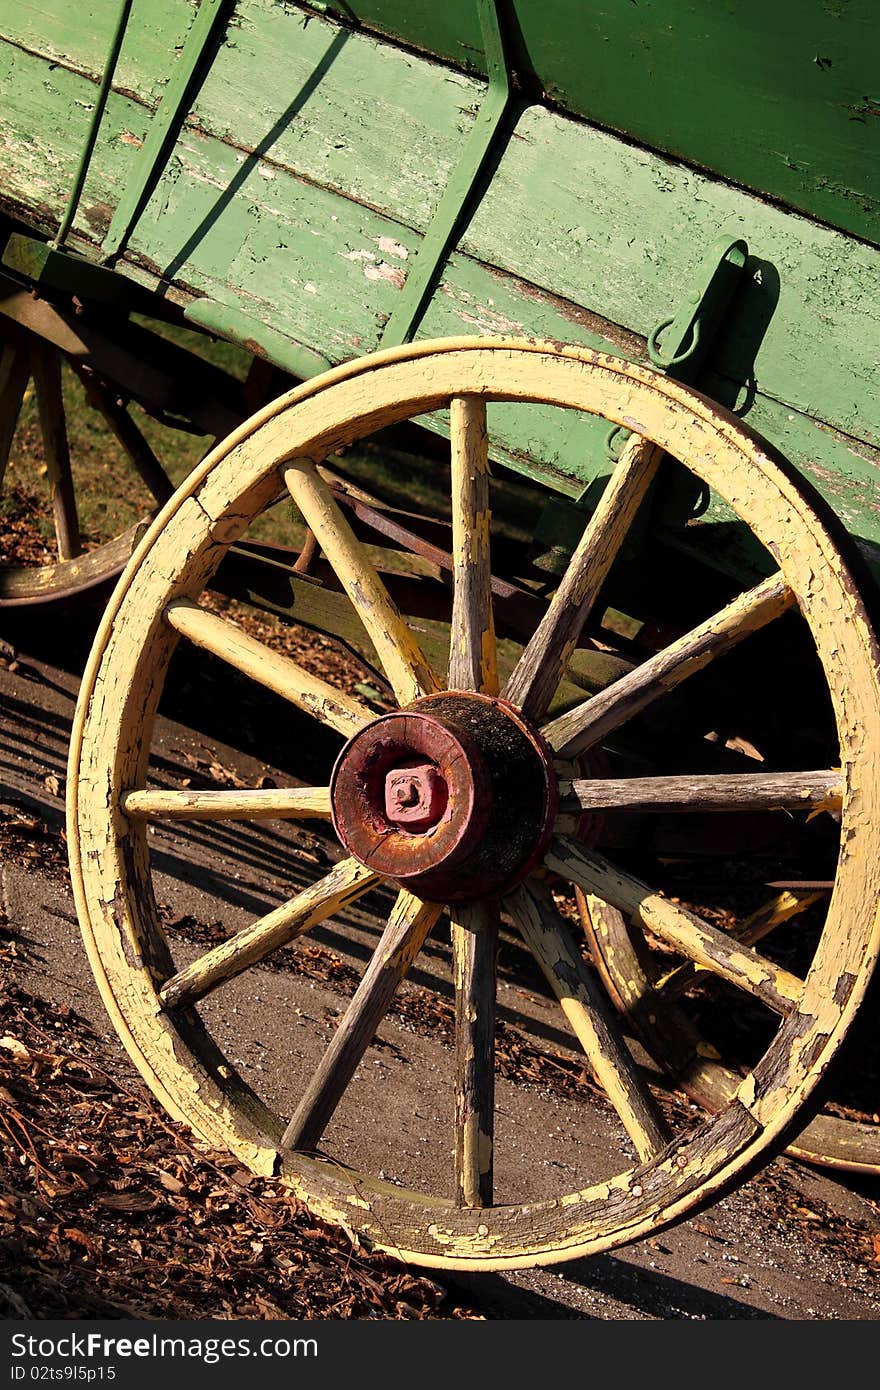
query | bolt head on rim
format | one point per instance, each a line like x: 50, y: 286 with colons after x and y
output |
x: 453, y: 797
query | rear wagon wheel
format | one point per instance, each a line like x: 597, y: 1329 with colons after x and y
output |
x: 68, y: 567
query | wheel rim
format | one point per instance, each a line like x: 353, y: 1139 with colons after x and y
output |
x: 110, y: 750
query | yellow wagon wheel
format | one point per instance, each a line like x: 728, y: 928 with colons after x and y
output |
x: 466, y: 798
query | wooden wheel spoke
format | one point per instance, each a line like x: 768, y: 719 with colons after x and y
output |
x: 269, y: 803
x: 347, y: 881
x: 591, y: 721
x: 409, y: 924
x: 760, y: 791
x: 702, y: 943
x: 404, y: 664
x: 474, y: 952
x: 590, y: 1017
x: 271, y: 669
x: 541, y: 666
x: 472, y: 656
x: 623, y: 963
x: 46, y: 368
x: 15, y: 373
x: 758, y: 924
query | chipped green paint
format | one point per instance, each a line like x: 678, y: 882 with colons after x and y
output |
x: 301, y: 214
x: 195, y: 58
x: 770, y: 96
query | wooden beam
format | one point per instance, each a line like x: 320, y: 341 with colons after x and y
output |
x: 474, y: 953
x: 758, y: 791
x: 409, y: 924
x: 258, y: 803
x: 270, y: 668
x: 591, y: 1019
x: 346, y: 881
x: 753, y: 928
x: 15, y: 371
x: 689, y: 934
x: 46, y: 369
x: 108, y: 403
x: 542, y: 664
x: 403, y: 662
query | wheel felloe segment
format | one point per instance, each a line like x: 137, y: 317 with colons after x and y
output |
x: 436, y: 782
x: 454, y: 797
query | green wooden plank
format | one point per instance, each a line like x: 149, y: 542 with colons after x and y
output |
x: 571, y: 208
x: 780, y: 97
x: 352, y: 113
x: 323, y: 269
x: 41, y: 136
x: 615, y: 227
x: 78, y: 35
x: 194, y: 59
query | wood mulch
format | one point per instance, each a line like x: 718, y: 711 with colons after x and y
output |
x: 110, y: 1209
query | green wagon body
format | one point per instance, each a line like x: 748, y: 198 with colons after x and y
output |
x: 313, y: 158
x: 667, y: 181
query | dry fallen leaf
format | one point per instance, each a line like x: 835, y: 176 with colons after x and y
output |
x: 18, y: 1049
x: 129, y: 1201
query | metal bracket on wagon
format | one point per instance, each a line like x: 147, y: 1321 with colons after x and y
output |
x: 677, y: 346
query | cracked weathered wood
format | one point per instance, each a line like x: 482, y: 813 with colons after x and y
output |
x: 588, y: 723
x: 747, y: 791
x: 696, y: 939
x: 674, y: 1043
x: 15, y: 373
x: 409, y: 924
x: 46, y: 370
x: 474, y: 955
x: 110, y: 859
x: 541, y: 666
x: 752, y: 929
x: 347, y: 881
x: 402, y: 660
x: 258, y: 803
x: 623, y: 963
x: 270, y: 668
x: 590, y: 1017
x: 473, y: 663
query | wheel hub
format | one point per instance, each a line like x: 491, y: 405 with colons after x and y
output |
x: 454, y: 797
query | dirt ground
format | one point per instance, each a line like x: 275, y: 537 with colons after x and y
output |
x: 146, y: 1223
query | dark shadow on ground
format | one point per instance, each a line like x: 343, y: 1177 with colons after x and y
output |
x: 645, y: 1291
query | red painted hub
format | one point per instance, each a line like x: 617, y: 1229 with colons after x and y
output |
x: 454, y: 797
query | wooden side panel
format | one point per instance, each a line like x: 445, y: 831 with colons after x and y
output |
x: 304, y: 208
x: 773, y: 96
